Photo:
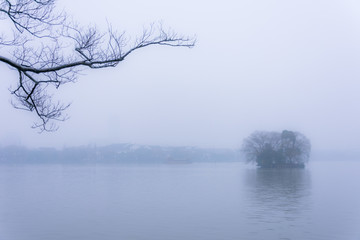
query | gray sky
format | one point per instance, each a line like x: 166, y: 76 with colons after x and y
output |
x: 257, y: 65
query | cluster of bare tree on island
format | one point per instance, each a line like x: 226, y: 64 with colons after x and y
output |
x: 48, y: 50
x: 277, y: 150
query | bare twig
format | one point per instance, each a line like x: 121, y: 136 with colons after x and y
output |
x: 48, y: 51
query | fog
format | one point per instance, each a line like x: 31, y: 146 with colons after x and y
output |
x: 257, y: 65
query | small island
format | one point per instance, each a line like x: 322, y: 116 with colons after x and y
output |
x: 287, y: 149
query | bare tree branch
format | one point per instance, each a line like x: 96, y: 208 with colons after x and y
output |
x: 47, y: 51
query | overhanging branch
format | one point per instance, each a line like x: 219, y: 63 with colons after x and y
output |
x: 48, y: 52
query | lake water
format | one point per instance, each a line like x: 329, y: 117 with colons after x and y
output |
x: 200, y: 201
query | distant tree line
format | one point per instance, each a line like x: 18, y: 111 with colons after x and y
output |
x: 117, y: 153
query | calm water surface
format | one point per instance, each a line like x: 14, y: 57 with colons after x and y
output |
x: 205, y: 201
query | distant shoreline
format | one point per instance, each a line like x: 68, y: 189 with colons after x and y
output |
x: 117, y: 153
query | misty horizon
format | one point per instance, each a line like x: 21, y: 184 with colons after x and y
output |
x: 256, y: 66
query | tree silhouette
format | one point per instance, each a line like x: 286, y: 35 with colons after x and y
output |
x: 274, y: 149
x: 48, y: 50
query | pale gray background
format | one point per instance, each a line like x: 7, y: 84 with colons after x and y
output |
x: 257, y: 65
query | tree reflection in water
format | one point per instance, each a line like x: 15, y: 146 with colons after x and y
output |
x: 279, y: 200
